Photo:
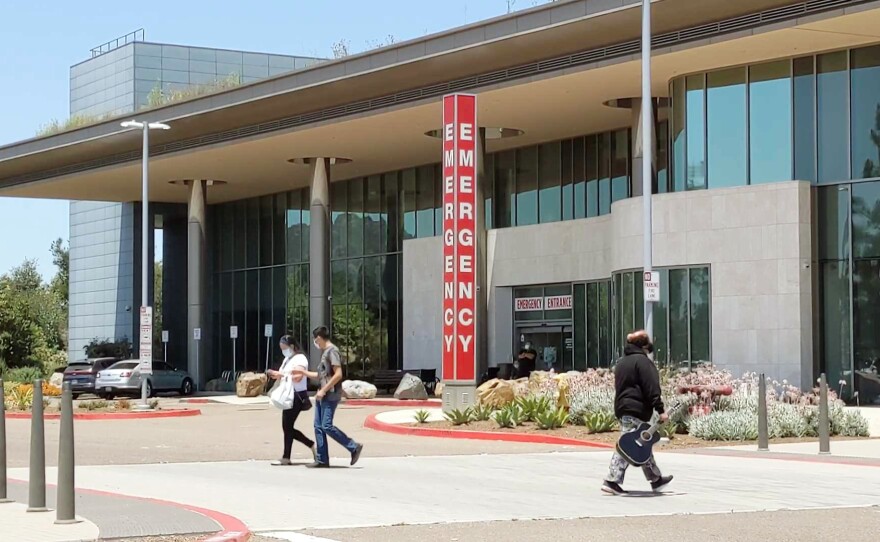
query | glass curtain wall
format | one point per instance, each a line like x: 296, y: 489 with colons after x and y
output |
x: 682, y: 317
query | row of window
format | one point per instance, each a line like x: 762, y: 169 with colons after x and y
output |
x: 812, y: 118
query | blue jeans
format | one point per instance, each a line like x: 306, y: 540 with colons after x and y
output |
x: 324, y: 411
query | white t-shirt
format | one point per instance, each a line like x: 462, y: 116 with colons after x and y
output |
x: 298, y: 360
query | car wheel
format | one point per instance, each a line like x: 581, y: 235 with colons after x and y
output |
x: 107, y: 396
x: 75, y: 396
x: 150, y: 389
x: 187, y: 387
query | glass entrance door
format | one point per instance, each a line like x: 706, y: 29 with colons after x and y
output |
x: 554, y: 345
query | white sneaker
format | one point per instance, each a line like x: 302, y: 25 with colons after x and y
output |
x: 281, y: 462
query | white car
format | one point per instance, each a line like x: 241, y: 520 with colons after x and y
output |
x: 124, y: 378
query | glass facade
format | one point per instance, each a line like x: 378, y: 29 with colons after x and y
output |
x: 682, y: 317
x: 814, y: 118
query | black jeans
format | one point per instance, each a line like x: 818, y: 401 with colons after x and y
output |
x: 291, y: 433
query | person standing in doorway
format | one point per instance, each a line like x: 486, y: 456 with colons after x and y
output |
x: 293, y: 359
x: 637, y: 397
x: 327, y: 399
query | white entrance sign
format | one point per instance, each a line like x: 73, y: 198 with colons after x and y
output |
x: 652, y: 286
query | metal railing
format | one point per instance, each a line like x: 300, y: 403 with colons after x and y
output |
x: 131, y: 37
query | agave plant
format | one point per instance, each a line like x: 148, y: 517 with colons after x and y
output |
x: 600, y: 421
x: 504, y: 418
x: 534, y: 406
x: 421, y: 416
x: 552, y: 419
x: 481, y: 413
x: 459, y: 417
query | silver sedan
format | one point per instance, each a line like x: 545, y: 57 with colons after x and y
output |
x: 124, y: 378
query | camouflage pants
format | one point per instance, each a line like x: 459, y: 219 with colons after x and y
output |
x: 617, y: 470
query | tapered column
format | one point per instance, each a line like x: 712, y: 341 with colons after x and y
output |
x: 638, y: 151
x: 195, y: 271
x: 319, y: 251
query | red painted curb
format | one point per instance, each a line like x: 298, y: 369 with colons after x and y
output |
x: 178, y: 413
x: 373, y: 423
x: 231, y: 529
x: 394, y: 402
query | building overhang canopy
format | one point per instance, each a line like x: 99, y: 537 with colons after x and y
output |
x: 247, y: 135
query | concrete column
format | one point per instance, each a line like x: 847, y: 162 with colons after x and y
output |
x: 319, y: 251
x: 196, y: 277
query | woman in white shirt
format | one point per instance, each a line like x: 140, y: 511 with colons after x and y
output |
x: 293, y: 357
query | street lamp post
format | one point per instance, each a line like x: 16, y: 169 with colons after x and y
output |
x: 647, y: 155
x: 145, y: 224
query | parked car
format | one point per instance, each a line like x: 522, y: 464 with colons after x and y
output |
x: 82, y: 374
x: 124, y: 378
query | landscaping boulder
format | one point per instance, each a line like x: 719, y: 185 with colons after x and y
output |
x: 250, y: 384
x: 496, y: 393
x: 57, y: 380
x: 357, y: 389
x: 438, y: 389
x: 521, y: 388
x: 558, y: 382
x: 411, y: 387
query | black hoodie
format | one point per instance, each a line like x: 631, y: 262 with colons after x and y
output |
x: 637, y: 385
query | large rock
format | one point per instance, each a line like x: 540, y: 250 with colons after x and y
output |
x: 411, y: 387
x: 57, y: 380
x: 438, y: 389
x: 541, y: 382
x: 250, y: 384
x: 496, y: 393
x: 357, y: 389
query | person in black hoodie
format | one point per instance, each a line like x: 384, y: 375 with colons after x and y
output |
x: 637, y: 397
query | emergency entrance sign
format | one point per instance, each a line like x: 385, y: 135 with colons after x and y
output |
x: 459, y: 237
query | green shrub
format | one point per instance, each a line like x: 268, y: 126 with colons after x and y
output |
x: 668, y: 430
x: 481, y: 413
x: 24, y: 375
x: 105, y: 348
x: 534, y: 406
x: 93, y: 405
x: 552, y: 419
x: 458, y: 417
x: 600, y: 421
x: 421, y: 416
x: 504, y: 418
x: 154, y: 404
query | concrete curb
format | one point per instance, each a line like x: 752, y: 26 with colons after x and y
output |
x: 428, y: 403
x: 372, y: 422
x: 176, y: 413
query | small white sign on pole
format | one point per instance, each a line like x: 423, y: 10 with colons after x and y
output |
x: 233, y: 332
x: 267, y: 331
x: 165, y: 336
x: 146, y: 341
x: 652, y: 286
x: 197, y: 334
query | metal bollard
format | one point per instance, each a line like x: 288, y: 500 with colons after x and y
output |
x: 824, y: 426
x: 3, y: 488
x: 763, y: 445
x: 37, y: 477
x: 65, y: 509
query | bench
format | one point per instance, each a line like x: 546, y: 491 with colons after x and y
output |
x: 389, y: 380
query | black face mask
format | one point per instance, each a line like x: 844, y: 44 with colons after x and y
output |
x: 649, y: 348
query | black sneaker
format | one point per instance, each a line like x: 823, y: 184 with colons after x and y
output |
x: 612, y: 488
x: 317, y: 465
x: 356, y: 454
x: 662, y: 482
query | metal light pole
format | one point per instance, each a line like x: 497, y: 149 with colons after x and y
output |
x: 145, y: 221
x: 647, y: 155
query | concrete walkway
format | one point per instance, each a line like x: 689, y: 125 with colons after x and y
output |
x: 16, y: 524
x: 868, y: 448
x: 418, y: 490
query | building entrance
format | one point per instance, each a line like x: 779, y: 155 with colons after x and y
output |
x: 553, y: 344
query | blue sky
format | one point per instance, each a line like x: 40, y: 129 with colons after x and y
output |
x: 39, y: 41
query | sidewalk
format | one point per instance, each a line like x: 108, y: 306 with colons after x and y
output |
x: 452, y: 489
x: 21, y: 526
x: 867, y: 449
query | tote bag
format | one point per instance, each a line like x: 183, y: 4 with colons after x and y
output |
x: 282, y: 396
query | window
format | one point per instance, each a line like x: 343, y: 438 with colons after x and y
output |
x: 604, y: 173
x: 409, y: 203
x: 865, y: 111
x: 550, y: 181
x: 425, y: 205
x: 527, y: 186
x: 679, y: 135
x: 804, y: 119
x: 620, y: 162
x: 592, y: 175
x: 726, y: 128
x: 695, y: 173
x: 505, y: 191
x: 579, y: 175
x: 770, y: 110
x: 355, y: 217
x: 567, y: 180
x: 832, y: 117
x: 338, y: 219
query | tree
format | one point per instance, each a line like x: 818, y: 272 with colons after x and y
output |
x: 158, y: 346
x: 61, y: 281
x: 340, y: 48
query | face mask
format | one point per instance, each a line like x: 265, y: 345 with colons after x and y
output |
x: 649, y: 348
x: 316, y: 345
x: 287, y: 352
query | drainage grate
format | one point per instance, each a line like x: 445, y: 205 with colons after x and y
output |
x: 719, y: 28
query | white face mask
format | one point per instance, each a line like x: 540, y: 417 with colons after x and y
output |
x: 287, y: 352
x: 316, y: 344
